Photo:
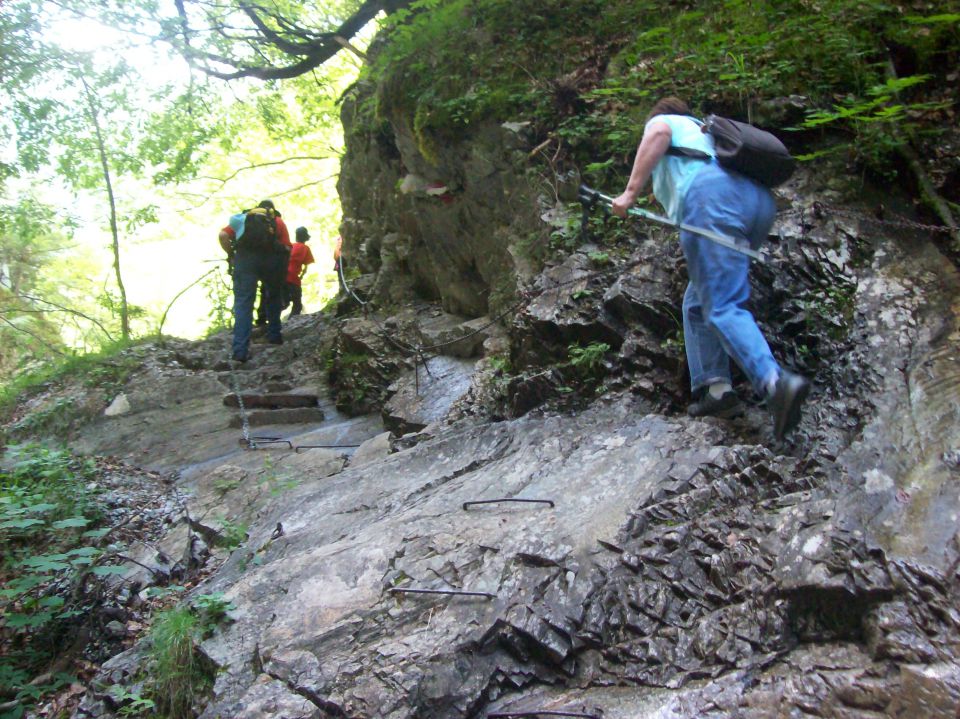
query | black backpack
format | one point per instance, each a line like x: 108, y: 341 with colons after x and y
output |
x: 259, y: 231
x: 746, y: 149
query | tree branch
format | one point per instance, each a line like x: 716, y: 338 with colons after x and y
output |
x: 303, y: 186
x: 75, y: 313
x: 258, y: 165
x: 308, y: 52
x: 177, y: 297
x: 36, y: 337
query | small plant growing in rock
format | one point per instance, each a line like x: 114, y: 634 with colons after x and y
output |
x: 232, y: 534
x: 223, y: 485
x: 132, y: 704
x: 212, y: 609
x: 274, y: 481
x: 501, y: 364
x: 179, y: 675
x: 676, y: 343
x: 600, y: 259
x: 588, y: 360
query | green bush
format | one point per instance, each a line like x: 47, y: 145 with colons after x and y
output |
x: 585, y: 73
x: 49, y: 528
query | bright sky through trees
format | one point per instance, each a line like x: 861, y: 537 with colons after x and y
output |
x: 161, y: 258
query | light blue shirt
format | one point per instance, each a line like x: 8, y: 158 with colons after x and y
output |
x: 237, y: 222
x: 673, y: 175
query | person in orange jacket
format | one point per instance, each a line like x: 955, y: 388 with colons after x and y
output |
x: 300, y: 257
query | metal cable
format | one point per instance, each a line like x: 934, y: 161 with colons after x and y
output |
x: 526, y: 298
x: 821, y: 208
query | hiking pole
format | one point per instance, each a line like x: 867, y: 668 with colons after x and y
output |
x: 589, y: 197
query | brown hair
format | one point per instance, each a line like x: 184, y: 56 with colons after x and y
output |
x: 669, y: 106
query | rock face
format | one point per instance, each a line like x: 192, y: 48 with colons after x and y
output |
x: 581, y: 544
x: 660, y: 565
x: 449, y: 226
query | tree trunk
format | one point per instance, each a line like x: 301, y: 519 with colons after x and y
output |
x: 101, y: 147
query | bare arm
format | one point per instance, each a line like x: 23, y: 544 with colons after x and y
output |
x: 226, y: 242
x: 653, y: 146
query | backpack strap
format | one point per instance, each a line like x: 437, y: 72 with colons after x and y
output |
x: 689, y: 152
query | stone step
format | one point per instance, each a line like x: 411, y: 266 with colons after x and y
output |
x: 271, y: 400
x: 296, y: 415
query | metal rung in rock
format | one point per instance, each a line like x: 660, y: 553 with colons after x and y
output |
x: 273, y: 400
x: 298, y: 415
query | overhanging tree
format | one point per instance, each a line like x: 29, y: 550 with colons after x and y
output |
x: 235, y: 39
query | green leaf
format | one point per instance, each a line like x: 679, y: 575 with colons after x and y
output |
x: 96, y: 533
x: 23, y: 621
x: 42, y: 507
x: 22, y: 584
x: 932, y: 19
x: 71, y: 522
x: 44, y: 564
x: 20, y: 523
x: 83, y: 552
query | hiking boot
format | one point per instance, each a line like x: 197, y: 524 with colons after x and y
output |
x: 727, y: 407
x: 275, y: 340
x: 240, y: 358
x: 786, y: 402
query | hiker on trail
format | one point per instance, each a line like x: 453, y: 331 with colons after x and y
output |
x: 336, y: 263
x: 284, y: 236
x: 716, y: 323
x: 300, y: 257
x: 257, y: 254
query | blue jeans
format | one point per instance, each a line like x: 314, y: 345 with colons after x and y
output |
x: 248, y: 269
x: 716, y: 323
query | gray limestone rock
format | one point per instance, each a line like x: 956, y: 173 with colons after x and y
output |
x: 426, y: 393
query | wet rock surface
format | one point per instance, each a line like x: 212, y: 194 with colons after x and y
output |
x: 669, y: 566
x: 691, y: 568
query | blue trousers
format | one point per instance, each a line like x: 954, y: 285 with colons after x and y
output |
x: 716, y: 323
x: 248, y: 269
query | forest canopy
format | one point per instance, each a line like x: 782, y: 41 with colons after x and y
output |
x: 117, y: 142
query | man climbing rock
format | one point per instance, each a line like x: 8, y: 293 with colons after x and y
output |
x: 258, y: 254
x: 300, y: 257
x: 716, y: 323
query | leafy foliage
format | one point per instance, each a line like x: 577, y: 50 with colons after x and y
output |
x: 50, y: 524
x: 585, y: 73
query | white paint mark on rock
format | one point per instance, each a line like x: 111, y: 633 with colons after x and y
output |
x: 119, y: 406
x: 813, y: 544
x: 876, y: 481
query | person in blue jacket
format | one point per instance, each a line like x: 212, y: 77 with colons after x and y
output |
x: 717, y: 325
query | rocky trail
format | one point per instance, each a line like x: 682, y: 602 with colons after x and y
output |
x: 491, y: 544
